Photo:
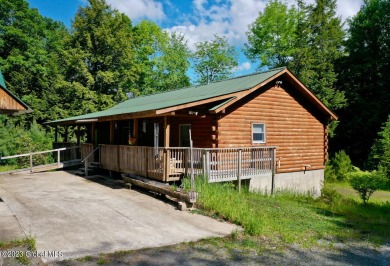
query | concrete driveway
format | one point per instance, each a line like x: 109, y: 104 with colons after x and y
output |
x: 70, y: 216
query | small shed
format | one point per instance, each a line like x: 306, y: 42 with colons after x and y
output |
x: 9, y: 103
x: 267, y: 127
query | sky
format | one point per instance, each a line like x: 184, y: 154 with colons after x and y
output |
x: 198, y: 20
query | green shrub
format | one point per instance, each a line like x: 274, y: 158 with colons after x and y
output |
x: 330, y: 196
x: 330, y: 174
x: 379, y: 157
x: 366, y: 183
x: 338, y: 167
x: 342, y: 165
x: 18, y: 140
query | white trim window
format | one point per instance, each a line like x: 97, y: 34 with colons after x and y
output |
x: 258, y: 133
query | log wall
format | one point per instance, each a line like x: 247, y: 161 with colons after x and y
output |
x: 292, y: 125
x: 7, y: 102
x: 201, y: 129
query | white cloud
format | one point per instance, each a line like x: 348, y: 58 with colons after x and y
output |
x: 348, y: 8
x: 231, y: 18
x: 139, y: 9
x: 225, y: 18
x: 345, y: 8
x: 243, y: 66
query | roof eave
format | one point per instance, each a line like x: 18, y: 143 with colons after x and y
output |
x: 27, y: 108
x: 312, y: 97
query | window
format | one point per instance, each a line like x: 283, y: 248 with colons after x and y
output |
x: 258, y: 133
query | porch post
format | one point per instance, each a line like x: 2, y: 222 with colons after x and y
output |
x: 66, y: 134
x: 135, y: 133
x: 56, y: 135
x: 93, y: 135
x: 111, y: 132
x: 167, y: 128
x: 78, y: 135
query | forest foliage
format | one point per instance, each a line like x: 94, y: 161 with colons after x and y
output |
x: 61, y: 72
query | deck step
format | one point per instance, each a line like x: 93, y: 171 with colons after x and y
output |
x: 80, y: 173
x: 82, y: 169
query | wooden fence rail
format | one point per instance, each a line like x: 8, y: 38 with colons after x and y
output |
x: 170, y: 164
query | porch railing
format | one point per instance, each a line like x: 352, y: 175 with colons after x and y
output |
x: 238, y: 163
x: 169, y: 164
x: 61, y: 157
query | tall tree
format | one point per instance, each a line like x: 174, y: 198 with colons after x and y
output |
x: 29, y: 49
x: 103, y: 48
x: 272, y: 36
x: 214, y: 60
x: 163, y: 58
x: 364, y: 76
x: 323, y: 34
x: 308, y: 40
x: 380, y: 152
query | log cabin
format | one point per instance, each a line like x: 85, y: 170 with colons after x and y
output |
x: 266, y: 127
x: 9, y: 103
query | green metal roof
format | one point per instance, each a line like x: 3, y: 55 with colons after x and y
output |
x: 2, y: 81
x: 182, y: 96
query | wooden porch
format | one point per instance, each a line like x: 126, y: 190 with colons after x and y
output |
x: 171, y: 164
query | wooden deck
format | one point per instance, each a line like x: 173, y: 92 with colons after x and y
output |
x: 171, y: 164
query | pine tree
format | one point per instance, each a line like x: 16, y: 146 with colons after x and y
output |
x: 364, y: 77
x: 308, y: 40
x: 319, y: 44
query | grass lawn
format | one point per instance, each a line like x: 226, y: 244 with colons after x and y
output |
x: 287, y: 219
x: 347, y: 191
x: 5, y: 168
x: 18, y: 248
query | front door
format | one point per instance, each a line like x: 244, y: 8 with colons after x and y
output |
x: 184, y: 135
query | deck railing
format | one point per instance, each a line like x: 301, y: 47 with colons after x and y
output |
x: 61, y: 157
x: 87, y: 149
x: 170, y: 164
x: 238, y: 163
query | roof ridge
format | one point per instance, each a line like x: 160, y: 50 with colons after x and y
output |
x: 254, y: 73
x: 199, y: 85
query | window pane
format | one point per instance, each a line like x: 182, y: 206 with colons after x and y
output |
x: 258, y: 133
x: 258, y: 137
x: 258, y: 128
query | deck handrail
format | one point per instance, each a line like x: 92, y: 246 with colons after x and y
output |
x: 214, y: 149
x: 86, y: 162
x: 172, y: 163
x: 40, y: 152
x: 98, y: 147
